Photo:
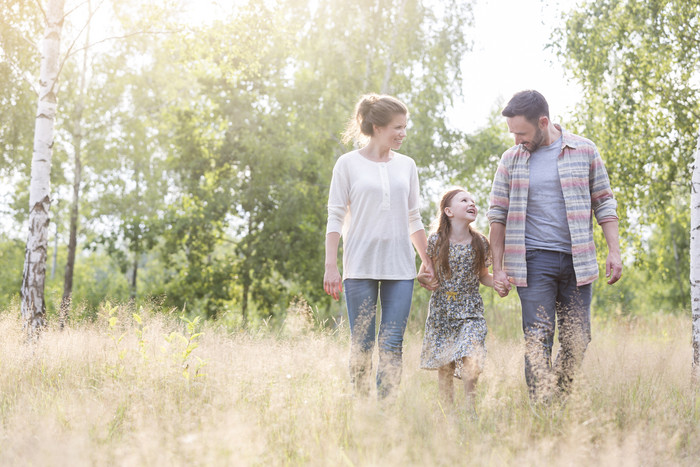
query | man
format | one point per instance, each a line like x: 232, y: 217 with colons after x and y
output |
x: 541, y: 234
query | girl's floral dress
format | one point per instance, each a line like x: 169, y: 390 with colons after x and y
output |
x: 455, y: 327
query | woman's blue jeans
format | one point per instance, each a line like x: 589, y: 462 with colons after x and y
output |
x: 361, y: 299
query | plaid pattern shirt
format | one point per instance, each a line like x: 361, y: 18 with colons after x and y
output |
x: 586, y: 189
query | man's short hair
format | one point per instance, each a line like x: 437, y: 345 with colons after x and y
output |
x: 530, y: 104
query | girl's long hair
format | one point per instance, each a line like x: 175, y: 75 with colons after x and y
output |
x: 443, y: 228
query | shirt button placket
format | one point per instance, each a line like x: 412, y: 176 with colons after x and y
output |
x: 386, y: 194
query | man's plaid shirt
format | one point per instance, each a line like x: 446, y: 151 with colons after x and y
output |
x: 586, y: 189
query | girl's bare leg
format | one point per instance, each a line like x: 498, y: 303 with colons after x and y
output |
x: 470, y: 375
x: 445, y: 386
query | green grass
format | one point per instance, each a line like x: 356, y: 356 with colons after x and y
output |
x: 124, y: 392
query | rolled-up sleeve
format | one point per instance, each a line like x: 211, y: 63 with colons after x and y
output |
x: 603, y: 202
x: 338, y: 201
x: 499, y: 200
x: 415, y: 223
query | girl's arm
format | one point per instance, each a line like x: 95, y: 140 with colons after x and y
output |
x: 485, y: 277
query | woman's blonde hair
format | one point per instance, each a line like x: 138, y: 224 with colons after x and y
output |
x: 371, y: 110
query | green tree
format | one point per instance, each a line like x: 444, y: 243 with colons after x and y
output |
x: 282, y: 80
x: 638, y: 64
x: 346, y: 49
x: 20, y: 26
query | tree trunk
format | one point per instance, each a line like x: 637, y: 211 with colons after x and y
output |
x: 134, y: 272
x: 136, y: 243
x: 244, y: 302
x: 77, y: 179
x: 695, y: 263
x: 72, y: 239
x: 34, y: 276
x: 55, y: 245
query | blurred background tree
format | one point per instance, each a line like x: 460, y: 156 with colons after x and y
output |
x: 639, y: 65
x: 206, y: 146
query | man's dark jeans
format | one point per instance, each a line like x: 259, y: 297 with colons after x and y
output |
x: 553, y: 297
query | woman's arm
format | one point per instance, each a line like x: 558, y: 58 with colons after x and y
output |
x: 426, y: 274
x: 420, y: 243
x: 332, y: 282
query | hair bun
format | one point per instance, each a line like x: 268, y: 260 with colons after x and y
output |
x: 372, y: 110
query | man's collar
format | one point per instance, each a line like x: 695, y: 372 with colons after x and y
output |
x: 566, y: 137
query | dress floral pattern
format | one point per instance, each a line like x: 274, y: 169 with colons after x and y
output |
x: 455, y: 327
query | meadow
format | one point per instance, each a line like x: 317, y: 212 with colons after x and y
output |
x: 145, y: 387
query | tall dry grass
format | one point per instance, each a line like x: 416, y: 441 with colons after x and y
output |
x: 123, y: 392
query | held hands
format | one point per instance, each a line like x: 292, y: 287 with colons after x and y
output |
x: 426, y: 277
x: 502, y: 283
x: 332, y: 282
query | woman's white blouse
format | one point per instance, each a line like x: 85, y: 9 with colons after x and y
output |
x: 375, y: 206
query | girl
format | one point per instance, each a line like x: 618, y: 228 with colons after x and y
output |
x: 374, y: 203
x: 455, y: 330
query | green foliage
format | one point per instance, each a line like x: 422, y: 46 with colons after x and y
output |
x: 19, y: 66
x: 207, y: 150
x: 638, y: 64
x: 251, y: 207
x: 207, y: 153
x: 185, y: 343
x: 12, y: 260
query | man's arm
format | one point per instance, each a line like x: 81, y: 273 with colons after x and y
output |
x: 613, y: 264
x: 497, y: 239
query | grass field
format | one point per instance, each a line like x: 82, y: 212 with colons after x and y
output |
x: 147, y: 390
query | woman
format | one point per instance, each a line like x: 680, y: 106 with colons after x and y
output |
x: 374, y: 203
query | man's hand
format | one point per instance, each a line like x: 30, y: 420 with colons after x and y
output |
x: 613, y: 265
x: 500, y: 288
x: 613, y: 268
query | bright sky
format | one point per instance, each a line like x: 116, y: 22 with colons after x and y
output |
x: 508, y: 56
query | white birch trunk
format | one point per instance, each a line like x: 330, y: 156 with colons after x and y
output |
x: 33, y: 306
x: 695, y: 262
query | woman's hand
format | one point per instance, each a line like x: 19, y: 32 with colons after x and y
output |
x: 332, y: 282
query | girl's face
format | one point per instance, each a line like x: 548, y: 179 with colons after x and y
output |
x: 393, y: 134
x: 462, y: 208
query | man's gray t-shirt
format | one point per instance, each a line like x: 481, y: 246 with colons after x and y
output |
x: 546, y: 227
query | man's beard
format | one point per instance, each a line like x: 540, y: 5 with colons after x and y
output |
x: 536, y: 141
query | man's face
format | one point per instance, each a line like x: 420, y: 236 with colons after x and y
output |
x: 525, y: 133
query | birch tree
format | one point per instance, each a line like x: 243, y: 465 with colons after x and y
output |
x: 34, y: 276
x: 695, y: 262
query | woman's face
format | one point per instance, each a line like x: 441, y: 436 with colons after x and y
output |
x: 393, y: 134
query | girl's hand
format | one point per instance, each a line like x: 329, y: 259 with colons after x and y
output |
x: 332, y: 282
